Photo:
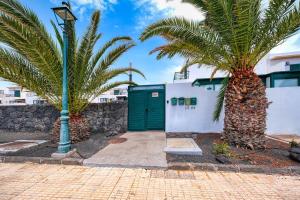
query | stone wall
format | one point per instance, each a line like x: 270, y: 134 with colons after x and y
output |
x: 109, y: 118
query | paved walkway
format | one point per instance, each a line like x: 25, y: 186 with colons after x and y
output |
x: 33, y: 181
x: 142, y: 149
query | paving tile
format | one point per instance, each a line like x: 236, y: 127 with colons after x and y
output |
x: 34, y: 181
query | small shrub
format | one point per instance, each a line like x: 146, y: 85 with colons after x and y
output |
x: 294, y: 144
x: 221, y: 149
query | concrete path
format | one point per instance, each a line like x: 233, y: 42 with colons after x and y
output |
x: 34, y: 181
x: 142, y: 149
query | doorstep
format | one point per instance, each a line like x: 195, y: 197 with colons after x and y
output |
x: 182, y: 146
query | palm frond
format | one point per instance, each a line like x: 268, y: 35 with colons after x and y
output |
x: 220, y: 100
x: 31, y: 58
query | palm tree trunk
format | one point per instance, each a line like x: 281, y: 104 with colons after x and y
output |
x: 245, y: 110
x: 79, y: 129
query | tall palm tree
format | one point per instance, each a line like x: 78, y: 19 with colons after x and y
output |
x: 30, y: 57
x: 233, y: 38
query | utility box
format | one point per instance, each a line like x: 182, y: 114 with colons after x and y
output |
x: 181, y: 101
x: 187, y: 101
x: 174, y: 101
x: 193, y: 101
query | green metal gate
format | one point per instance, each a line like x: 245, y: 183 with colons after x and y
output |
x: 146, y: 107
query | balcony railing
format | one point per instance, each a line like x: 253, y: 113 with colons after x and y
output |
x: 181, y: 75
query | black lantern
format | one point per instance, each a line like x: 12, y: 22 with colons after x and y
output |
x: 64, y: 12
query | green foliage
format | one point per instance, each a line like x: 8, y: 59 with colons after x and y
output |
x: 294, y: 144
x: 222, y: 149
x: 220, y: 100
x: 32, y: 59
x: 235, y: 35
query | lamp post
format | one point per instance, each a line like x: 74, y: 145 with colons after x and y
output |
x: 65, y: 14
x: 130, y: 72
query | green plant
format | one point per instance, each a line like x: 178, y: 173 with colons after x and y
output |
x: 233, y: 38
x: 30, y: 57
x: 294, y: 144
x: 221, y: 149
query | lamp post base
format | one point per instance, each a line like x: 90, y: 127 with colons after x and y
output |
x: 64, y: 142
x: 64, y: 148
x: 63, y: 155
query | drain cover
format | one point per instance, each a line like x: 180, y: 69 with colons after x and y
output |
x: 117, y: 140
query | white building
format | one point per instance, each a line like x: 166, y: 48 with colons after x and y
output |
x: 276, y: 70
x: 15, y: 95
x: 116, y: 94
x: 187, y: 105
x: 279, y: 72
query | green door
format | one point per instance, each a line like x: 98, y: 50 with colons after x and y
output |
x: 155, y: 111
x: 146, y: 108
x: 136, y: 110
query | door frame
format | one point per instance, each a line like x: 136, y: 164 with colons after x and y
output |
x: 147, y: 91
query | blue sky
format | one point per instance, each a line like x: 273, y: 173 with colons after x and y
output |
x: 129, y: 17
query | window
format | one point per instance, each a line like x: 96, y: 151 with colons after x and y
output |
x: 1, y: 91
x: 208, y: 87
x: 295, y: 67
x: 16, y: 101
x: 17, y: 93
x: 212, y: 87
x: 39, y: 102
x: 292, y: 82
x: 103, y: 100
x: 116, y: 92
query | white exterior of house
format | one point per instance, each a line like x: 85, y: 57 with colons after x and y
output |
x: 116, y: 94
x: 269, y: 64
x: 283, y: 112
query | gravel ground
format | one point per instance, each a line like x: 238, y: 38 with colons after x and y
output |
x: 86, y: 148
x: 276, y: 154
x: 91, y: 146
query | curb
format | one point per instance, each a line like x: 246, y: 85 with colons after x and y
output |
x: 292, y: 170
x: 41, y: 160
x: 126, y: 166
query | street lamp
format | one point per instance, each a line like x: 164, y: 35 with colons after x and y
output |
x: 65, y: 14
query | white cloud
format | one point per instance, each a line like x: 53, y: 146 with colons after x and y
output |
x: 81, y: 6
x: 171, y: 8
x: 95, y: 4
x: 153, y: 9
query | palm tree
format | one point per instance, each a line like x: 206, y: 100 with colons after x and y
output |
x: 32, y: 59
x: 233, y: 38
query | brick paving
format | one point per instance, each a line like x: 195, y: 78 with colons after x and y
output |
x: 35, y: 181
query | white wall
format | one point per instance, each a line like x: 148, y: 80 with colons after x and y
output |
x: 283, y: 114
x: 182, y: 119
x: 284, y: 111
